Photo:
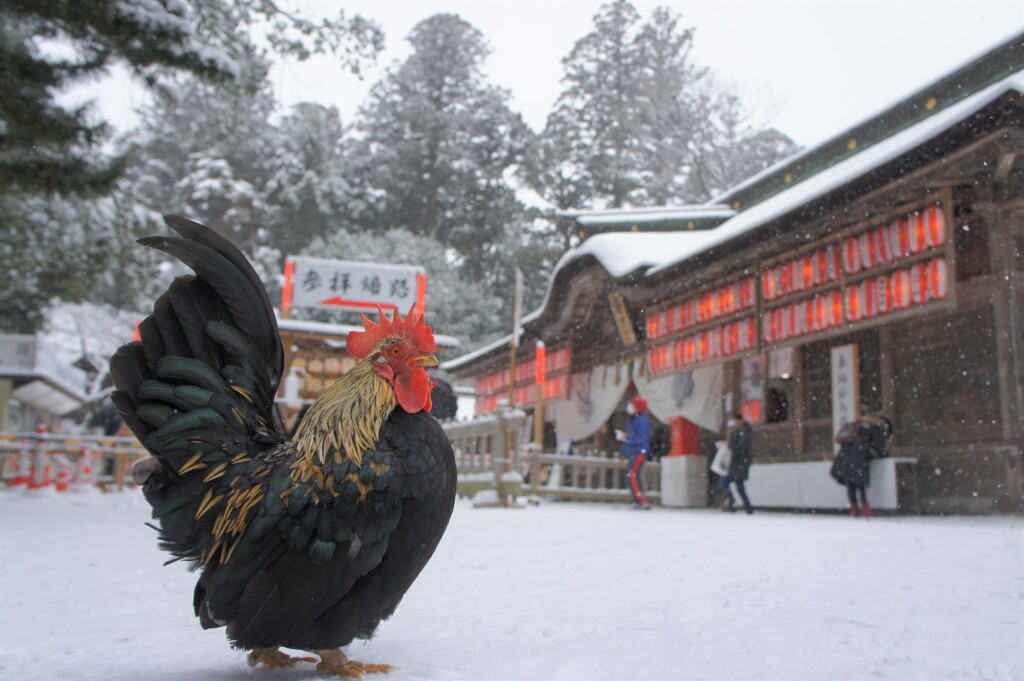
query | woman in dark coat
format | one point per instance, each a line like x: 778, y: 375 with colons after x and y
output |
x: 740, y: 435
x: 859, y: 443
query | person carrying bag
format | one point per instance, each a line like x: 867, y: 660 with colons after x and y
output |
x: 859, y: 442
x: 741, y: 456
x: 723, y: 455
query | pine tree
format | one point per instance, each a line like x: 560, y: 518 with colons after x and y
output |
x: 640, y: 124
x: 46, y: 147
x: 306, y: 187
x: 57, y: 233
x: 599, y: 114
x: 435, y: 144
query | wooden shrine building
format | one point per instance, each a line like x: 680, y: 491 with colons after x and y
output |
x: 881, y: 272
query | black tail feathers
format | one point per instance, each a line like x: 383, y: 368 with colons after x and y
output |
x: 193, y: 334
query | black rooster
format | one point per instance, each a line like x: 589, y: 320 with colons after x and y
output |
x: 305, y: 543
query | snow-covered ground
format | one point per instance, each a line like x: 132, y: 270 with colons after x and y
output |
x: 552, y: 592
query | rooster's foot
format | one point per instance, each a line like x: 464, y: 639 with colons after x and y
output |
x: 333, y: 661
x: 274, y: 658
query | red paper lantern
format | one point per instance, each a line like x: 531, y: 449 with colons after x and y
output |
x: 917, y: 233
x: 853, y: 310
x: 866, y: 246
x: 883, y: 295
x: 935, y: 226
x: 900, y: 230
x: 900, y: 282
x: 919, y: 283
x: 837, y: 309
x: 937, y: 278
x: 851, y: 256
x: 807, y: 265
x: 883, y: 245
x: 832, y: 263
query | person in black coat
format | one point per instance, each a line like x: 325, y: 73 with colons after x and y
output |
x: 859, y: 443
x: 445, y: 402
x: 740, y: 436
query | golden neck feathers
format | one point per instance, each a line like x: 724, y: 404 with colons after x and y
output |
x: 346, y: 418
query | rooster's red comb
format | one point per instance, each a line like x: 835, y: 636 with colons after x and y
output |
x: 361, y: 343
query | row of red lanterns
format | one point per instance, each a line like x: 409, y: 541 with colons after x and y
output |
x: 801, y: 274
x: 720, y: 341
x: 916, y: 285
x: 554, y: 388
x: 905, y: 236
x: 486, y: 404
x: 556, y: 360
x: 819, y: 313
x: 726, y: 300
x: 491, y: 383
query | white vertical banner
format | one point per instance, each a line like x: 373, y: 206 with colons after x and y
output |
x: 845, y: 387
x: 593, y: 396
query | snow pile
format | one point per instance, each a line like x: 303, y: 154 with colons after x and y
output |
x: 554, y: 592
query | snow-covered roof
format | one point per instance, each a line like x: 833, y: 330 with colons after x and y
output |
x: 621, y: 253
x: 617, y: 216
x: 842, y: 173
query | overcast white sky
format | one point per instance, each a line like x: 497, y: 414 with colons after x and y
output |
x: 811, y: 68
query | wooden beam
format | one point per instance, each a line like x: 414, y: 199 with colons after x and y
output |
x: 1004, y: 166
x: 622, y: 320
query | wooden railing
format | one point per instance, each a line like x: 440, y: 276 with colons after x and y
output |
x: 491, y: 454
x: 486, y: 456
x: 590, y: 476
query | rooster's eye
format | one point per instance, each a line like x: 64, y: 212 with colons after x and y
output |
x: 396, y: 351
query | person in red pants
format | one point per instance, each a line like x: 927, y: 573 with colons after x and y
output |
x: 636, y: 443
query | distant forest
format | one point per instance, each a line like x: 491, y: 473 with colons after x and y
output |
x: 436, y: 169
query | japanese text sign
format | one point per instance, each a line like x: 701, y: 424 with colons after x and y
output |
x: 346, y: 285
x: 845, y: 386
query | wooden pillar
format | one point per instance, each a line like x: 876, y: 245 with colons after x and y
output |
x: 538, y: 411
x: 6, y: 387
x: 1002, y: 220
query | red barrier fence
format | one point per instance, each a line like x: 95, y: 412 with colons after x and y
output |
x: 66, y: 462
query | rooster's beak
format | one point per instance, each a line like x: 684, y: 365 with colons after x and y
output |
x: 427, y: 361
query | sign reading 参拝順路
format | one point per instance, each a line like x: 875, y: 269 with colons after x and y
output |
x: 347, y: 285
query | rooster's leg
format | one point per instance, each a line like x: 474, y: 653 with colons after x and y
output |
x: 274, y: 658
x: 333, y: 661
